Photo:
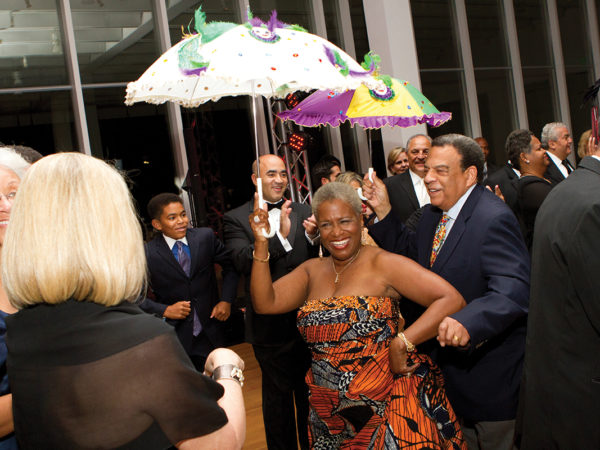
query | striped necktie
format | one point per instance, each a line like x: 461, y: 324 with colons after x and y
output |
x: 438, y: 238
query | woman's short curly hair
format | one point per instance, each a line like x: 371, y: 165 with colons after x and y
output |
x: 336, y: 191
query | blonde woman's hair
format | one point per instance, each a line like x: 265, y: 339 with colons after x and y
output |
x: 73, y: 234
x: 583, y: 143
x: 393, y: 156
x: 349, y: 177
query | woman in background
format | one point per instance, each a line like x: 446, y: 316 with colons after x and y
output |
x: 87, y: 368
x: 527, y: 155
x: 12, y: 168
x: 397, y: 161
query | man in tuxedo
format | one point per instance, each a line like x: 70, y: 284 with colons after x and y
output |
x: 488, y: 166
x: 407, y: 191
x: 470, y: 238
x: 561, y: 383
x: 182, y: 278
x: 557, y: 141
x: 279, y: 349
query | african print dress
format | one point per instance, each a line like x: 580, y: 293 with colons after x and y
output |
x: 355, y: 399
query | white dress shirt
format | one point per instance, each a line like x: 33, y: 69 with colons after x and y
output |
x: 171, y: 242
x: 455, y: 211
x: 420, y: 188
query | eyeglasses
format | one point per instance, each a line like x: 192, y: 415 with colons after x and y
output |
x: 10, y: 197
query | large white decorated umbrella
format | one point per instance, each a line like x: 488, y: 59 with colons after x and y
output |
x: 271, y: 59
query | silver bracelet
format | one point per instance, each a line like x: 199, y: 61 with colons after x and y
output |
x: 228, y: 372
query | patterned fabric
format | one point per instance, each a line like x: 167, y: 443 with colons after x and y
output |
x: 355, y: 400
x: 438, y: 238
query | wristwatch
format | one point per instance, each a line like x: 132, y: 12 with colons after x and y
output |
x: 228, y: 372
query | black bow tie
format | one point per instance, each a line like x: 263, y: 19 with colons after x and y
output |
x: 270, y: 206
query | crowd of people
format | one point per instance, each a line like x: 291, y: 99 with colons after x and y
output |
x: 451, y: 304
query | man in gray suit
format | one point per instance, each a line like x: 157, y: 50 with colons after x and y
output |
x: 561, y: 383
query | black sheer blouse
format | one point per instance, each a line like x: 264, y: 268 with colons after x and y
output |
x: 87, y: 376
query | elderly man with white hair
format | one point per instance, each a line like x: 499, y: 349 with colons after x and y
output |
x: 557, y: 142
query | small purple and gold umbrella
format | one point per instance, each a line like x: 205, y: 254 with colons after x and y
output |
x: 394, y: 103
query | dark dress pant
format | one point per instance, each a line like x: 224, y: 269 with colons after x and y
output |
x: 283, y: 370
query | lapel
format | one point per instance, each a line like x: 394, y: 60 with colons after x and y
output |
x: 194, y: 245
x: 510, y: 173
x: 457, y: 230
x: 165, y: 253
x: 555, y: 173
x: 294, y: 225
x: 407, y: 185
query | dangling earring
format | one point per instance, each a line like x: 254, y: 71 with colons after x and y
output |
x: 320, y: 251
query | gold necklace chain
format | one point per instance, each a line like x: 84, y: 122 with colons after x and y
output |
x: 337, y: 274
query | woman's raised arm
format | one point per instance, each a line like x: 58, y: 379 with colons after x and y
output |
x: 290, y: 291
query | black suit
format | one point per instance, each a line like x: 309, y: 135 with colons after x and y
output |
x: 506, y: 179
x: 170, y: 285
x: 403, y: 198
x: 280, y: 350
x: 553, y: 173
x: 561, y: 388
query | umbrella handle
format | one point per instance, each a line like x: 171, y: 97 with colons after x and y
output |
x: 371, y: 174
x: 261, y: 202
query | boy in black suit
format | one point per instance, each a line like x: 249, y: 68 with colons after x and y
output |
x: 182, y: 277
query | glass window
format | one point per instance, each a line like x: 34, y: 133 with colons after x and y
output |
x: 540, y: 93
x: 577, y: 57
x: 293, y: 12
x: 446, y: 91
x: 493, y: 73
x: 115, y: 40
x: 539, y: 78
x: 496, y: 109
x: 434, y: 25
x: 359, y: 29
x: 486, y: 31
x: 135, y: 137
x: 183, y: 19
x: 334, y: 32
x: 532, y: 30
x: 31, y: 51
x: 41, y: 120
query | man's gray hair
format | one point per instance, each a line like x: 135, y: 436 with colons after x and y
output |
x: 416, y: 136
x: 549, y: 133
x: 337, y: 191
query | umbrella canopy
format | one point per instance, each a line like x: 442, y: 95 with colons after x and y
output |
x: 227, y: 59
x: 393, y: 102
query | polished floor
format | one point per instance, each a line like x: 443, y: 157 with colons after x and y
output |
x: 255, y: 430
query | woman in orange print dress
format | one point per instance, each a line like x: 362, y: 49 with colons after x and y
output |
x: 369, y: 388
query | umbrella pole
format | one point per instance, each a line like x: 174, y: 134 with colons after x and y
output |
x: 370, y: 155
x: 258, y: 179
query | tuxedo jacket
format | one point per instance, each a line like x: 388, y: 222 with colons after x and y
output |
x: 263, y: 329
x: 170, y: 284
x: 485, y: 259
x: 506, y: 179
x: 553, y: 173
x: 561, y: 387
x: 402, y: 195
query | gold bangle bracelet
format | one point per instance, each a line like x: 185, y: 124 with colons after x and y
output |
x: 410, y: 347
x: 259, y: 259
